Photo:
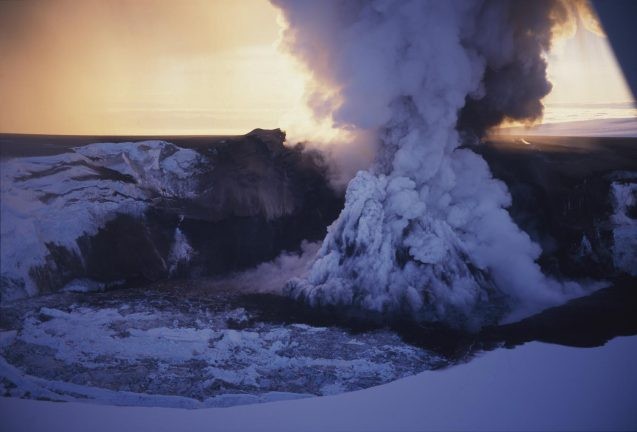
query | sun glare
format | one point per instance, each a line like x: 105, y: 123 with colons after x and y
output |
x: 140, y: 68
x: 134, y: 67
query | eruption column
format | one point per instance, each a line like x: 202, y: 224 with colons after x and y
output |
x: 425, y: 230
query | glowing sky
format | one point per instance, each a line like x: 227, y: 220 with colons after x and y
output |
x: 587, y: 80
x: 194, y: 67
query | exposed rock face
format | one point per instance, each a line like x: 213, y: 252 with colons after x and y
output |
x: 576, y: 197
x: 131, y: 213
x: 128, y: 213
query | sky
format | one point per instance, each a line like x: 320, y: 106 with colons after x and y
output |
x: 587, y: 81
x: 138, y: 67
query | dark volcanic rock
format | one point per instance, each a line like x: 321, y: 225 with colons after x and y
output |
x: 130, y: 213
x: 205, y: 208
x: 562, y: 193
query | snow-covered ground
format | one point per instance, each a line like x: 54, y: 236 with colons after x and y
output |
x: 533, y: 387
x: 189, y: 345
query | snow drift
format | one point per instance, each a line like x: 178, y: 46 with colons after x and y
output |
x: 425, y: 230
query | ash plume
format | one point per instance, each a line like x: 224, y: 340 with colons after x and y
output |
x: 425, y: 229
x: 512, y: 36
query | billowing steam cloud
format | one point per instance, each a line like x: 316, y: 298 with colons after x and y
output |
x: 425, y: 231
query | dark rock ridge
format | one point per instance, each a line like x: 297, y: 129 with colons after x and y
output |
x: 122, y: 214
x: 576, y: 197
x: 166, y: 210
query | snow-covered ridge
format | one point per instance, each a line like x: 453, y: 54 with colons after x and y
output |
x: 57, y: 199
x: 157, y: 166
x: 136, y: 212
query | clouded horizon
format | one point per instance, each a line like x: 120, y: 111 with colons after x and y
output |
x: 197, y: 67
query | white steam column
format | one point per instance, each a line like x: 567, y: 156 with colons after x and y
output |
x: 425, y: 230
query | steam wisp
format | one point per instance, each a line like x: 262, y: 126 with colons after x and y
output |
x: 425, y: 229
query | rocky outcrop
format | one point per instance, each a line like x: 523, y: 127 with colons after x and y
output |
x: 576, y: 198
x: 129, y: 213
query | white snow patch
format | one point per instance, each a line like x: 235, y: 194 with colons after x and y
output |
x: 180, y: 252
x: 253, y: 359
x: 56, y: 199
x: 83, y: 285
x: 624, y: 196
